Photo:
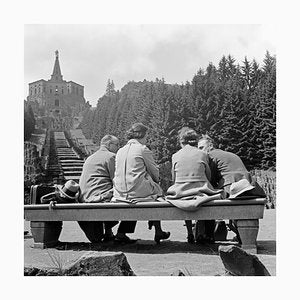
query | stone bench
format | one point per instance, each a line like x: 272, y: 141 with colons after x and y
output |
x: 46, y: 224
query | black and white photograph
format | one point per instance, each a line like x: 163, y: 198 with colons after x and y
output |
x: 149, y: 150
x: 144, y: 141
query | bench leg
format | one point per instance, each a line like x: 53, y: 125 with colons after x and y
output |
x: 45, y: 234
x: 248, y: 230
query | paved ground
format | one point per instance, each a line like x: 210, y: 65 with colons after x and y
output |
x: 148, y: 259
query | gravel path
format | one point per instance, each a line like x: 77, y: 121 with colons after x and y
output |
x: 148, y: 259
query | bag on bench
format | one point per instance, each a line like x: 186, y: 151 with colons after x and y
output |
x: 37, y: 191
x: 42, y: 194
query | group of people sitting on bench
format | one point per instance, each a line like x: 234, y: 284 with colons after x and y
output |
x: 200, y: 173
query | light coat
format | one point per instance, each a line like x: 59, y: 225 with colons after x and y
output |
x: 137, y: 175
x: 190, y: 164
x: 191, y: 175
x: 97, y: 174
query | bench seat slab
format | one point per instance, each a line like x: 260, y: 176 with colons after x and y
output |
x: 139, y: 214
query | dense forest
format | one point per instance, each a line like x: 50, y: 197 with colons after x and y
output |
x: 235, y: 104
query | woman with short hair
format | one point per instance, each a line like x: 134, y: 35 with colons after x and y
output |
x: 191, y: 176
x: 137, y: 175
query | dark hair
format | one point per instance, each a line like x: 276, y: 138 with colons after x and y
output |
x: 188, y: 136
x: 137, y: 131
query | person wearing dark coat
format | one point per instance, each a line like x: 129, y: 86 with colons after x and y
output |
x: 227, y: 168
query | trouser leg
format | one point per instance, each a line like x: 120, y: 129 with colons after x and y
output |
x: 189, y: 227
x: 233, y: 227
x: 110, y: 224
x: 127, y: 227
x: 92, y: 229
x: 210, y: 228
x: 204, y: 230
x: 157, y: 226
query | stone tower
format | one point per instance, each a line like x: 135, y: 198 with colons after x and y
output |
x: 56, y: 101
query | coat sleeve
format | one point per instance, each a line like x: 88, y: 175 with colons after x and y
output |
x: 207, y: 168
x: 150, y: 164
x: 111, y: 165
x: 215, y: 177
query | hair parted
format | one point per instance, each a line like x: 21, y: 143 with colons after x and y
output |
x: 137, y: 131
x: 188, y: 136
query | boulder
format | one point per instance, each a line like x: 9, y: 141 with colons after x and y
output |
x: 100, y: 264
x: 89, y: 264
x: 238, y: 262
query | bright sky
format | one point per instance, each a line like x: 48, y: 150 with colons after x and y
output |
x: 92, y: 54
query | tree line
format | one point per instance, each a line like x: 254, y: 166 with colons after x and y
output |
x: 233, y: 103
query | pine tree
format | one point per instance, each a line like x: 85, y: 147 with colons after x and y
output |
x: 266, y: 112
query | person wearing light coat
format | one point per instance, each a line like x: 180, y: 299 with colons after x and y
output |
x: 137, y: 175
x: 191, y: 179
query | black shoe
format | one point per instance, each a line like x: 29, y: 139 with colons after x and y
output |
x: 161, y: 236
x: 124, y: 240
x: 150, y: 224
x: 108, y: 238
x: 204, y: 240
x: 191, y: 239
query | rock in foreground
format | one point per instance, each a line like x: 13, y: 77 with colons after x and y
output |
x: 240, y: 263
x: 101, y: 264
x: 89, y: 264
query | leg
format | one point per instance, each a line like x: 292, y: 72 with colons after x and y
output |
x: 108, y: 225
x: 157, y: 227
x: 199, y: 231
x: 233, y: 227
x: 248, y: 230
x: 108, y: 233
x: 125, y: 227
x: 189, y: 228
x: 204, y: 231
x: 159, y: 233
x: 209, y: 230
x: 93, y: 230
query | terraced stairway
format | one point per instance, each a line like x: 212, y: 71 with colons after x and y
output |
x: 69, y: 162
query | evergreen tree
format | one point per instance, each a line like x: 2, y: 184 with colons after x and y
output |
x: 266, y: 112
x: 234, y: 104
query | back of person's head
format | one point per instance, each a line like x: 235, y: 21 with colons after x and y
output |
x: 188, y: 136
x: 107, y: 139
x: 206, y: 143
x: 137, y: 131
